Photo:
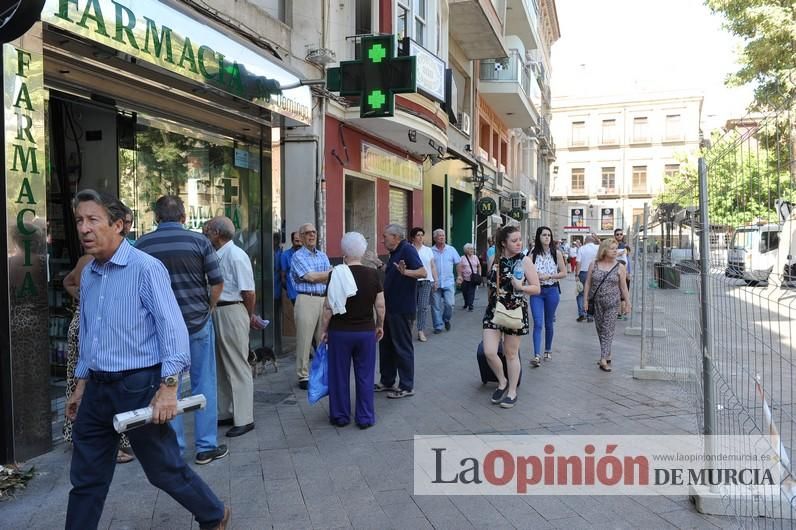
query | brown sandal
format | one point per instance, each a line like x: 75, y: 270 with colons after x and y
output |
x: 123, y: 457
x: 603, y: 365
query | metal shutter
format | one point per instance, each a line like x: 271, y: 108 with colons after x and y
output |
x: 399, y: 207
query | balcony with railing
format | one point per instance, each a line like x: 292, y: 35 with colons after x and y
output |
x: 477, y: 26
x: 522, y: 20
x: 506, y: 87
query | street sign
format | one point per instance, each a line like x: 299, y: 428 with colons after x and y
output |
x: 517, y: 214
x: 486, y: 206
x: 375, y: 78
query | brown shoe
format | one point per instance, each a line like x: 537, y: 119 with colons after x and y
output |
x: 225, y: 521
x: 421, y: 336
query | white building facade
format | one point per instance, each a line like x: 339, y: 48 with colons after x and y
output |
x: 612, y: 155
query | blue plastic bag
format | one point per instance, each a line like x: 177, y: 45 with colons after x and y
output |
x: 319, y: 375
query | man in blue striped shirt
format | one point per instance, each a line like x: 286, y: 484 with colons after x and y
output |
x: 193, y: 266
x: 310, y: 269
x: 133, y: 345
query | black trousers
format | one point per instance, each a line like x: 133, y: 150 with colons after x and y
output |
x: 396, y: 351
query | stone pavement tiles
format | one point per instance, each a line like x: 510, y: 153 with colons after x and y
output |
x: 297, y: 471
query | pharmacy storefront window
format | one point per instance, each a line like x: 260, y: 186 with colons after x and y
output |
x: 212, y: 174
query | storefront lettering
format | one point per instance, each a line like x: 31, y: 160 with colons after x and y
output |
x: 162, y: 45
x: 24, y: 160
x: 381, y: 163
x: 158, y: 41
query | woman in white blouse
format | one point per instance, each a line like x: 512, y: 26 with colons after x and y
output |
x: 549, y: 262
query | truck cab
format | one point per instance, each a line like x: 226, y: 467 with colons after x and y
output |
x: 786, y: 258
x: 753, y: 253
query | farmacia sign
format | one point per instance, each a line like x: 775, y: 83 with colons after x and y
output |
x: 158, y: 34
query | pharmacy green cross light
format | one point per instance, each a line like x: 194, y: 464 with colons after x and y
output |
x: 375, y: 78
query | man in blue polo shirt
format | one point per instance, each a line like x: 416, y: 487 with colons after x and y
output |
x: 193, y: 266
x: 396, y: 351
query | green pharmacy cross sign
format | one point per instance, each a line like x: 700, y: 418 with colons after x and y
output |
x: 375, y: 78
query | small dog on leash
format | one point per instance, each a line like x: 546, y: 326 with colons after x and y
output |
x: 259, y: 358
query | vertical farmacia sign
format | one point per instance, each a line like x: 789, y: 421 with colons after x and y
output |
x: 25, y: 169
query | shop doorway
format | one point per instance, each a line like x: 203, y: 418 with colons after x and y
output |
x: 140, y: 158
x: 360, y: 208
x: 461, y: 219
x: 437, y: 208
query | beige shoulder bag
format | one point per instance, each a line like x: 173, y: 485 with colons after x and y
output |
x: 503, y: 317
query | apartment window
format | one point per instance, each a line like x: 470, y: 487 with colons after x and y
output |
x: 609, y: 180
x: 420, y: 21
x: 671, y: 170
x: 674, y: 128
x: 639, y: 179
x: 411, y: 20
x: 578, y: 182
x: 641, y: 129
x: 578, y: 133
x: 609, y: 132
x: 363, y: 19
x: 638, y: 217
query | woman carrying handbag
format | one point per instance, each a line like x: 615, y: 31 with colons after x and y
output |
x: 511, y: 279
x: 469, y: 270
x: 607, y: 295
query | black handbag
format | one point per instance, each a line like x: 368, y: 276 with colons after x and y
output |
x: 592, y: 310
x: 475, y: 278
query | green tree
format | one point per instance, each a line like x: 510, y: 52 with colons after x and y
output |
x: 768, y: 28
x: 744, y: 181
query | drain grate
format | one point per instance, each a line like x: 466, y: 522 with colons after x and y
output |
x: 271, y: 398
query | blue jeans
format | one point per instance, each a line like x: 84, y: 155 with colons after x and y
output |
x: 543, y: 308
x: 442, y: 302
x: 203, y: 381
x: 579, y: 299
x: 94, y: 451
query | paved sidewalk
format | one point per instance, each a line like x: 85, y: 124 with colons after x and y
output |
x: 297, y: 471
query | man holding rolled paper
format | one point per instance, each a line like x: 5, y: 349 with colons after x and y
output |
x: 133, y: 346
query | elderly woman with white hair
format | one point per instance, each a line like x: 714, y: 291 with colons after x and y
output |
x: 469, y: 275
x: 349, y: 330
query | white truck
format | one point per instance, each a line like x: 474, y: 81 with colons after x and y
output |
x: 786, y: 256
x: 756, y: 251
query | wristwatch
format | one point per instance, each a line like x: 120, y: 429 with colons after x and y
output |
x: 170, y: 381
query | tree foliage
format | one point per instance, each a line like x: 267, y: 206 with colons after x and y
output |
x: 745, y: 178
x: 768, y: 28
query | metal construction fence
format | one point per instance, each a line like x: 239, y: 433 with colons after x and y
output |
x: 714, y: 304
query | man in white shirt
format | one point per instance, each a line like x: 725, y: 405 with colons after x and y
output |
x: 232, y: 318
x: 586, y: 254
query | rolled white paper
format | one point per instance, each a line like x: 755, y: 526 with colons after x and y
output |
x: 125, y: 421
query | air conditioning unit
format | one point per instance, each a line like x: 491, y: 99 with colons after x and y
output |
x: 517, y: 199
x: 465, y: 123
x: 321, y: 56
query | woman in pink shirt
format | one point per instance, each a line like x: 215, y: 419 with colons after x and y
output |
x: 469, y: 271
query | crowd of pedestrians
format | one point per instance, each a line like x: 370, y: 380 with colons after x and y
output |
x: 179, y: 302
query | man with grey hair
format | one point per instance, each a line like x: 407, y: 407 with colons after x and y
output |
x: 586, y: 255
x: 194, y: 270
x: 446, y: 260
x: 309, y: 268
x: 396, y: 351
x: 133, y: 345
x: 233, y: 318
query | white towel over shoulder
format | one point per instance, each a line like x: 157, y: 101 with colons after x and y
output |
x: 341, y: 287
